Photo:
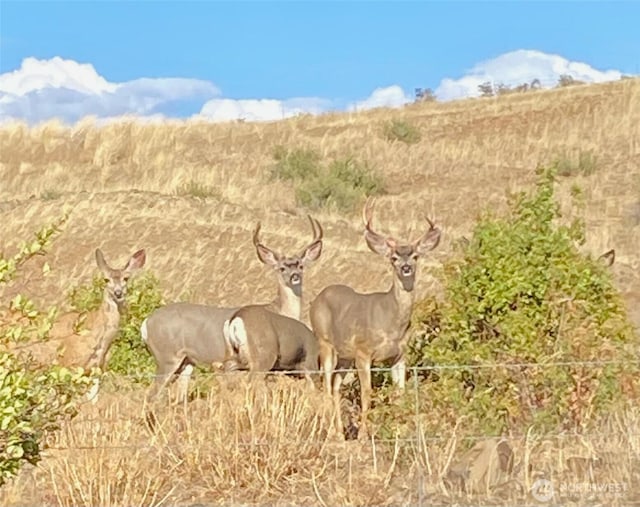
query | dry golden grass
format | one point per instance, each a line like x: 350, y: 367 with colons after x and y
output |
x: 270, y: 444
x: 121, y: 183
x: 124, y: 186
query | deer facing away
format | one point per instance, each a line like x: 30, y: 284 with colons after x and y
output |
x: 181, y: 335
x: 259, y: 338
x: 265, y: 341
x: 366, y: 328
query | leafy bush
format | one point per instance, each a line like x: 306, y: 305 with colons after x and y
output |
x: 521, y: 297
x: 129, y: 355
x: 401, y: 130
x: 585, y: 165
x: 341, y: 184
x: 294, y: 165
x: 32, y: 401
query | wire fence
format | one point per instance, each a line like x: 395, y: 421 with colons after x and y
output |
x: 415, y: 378
x: 623, y: 437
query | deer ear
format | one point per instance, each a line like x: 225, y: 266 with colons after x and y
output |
x: 267, y: 256
x: 427, y: 242
x: 379, y: 244
x: 136, y: 261
x: 608, y: 258
x: 312, y: 252
x: 102, y: 264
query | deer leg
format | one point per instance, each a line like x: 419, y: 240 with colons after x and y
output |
x: 308, y: 367
x: 92, y: 395
x: 337, y: 383
x: 183, y: 383
x: 399, y: 373
x: 328, y: 362
x: 363, y: 365
x: 165, y: 374
x: 99, y: 354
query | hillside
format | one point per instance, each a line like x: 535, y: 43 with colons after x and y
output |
x: 127, y: 186
x: 191, y: 193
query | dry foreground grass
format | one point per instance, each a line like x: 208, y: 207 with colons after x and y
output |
x: 123, y: 183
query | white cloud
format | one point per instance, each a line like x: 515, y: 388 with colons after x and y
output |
x: 65, y: 89
x: 261, y: 109
x: 518, y: 67
x: 391, y: 96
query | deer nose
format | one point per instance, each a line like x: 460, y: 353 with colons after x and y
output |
x: 117, y: 293
x: 406, y: 270
x: 295, y: 279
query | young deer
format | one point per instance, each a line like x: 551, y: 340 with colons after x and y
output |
x: 368, y: 328
x: 89, y: 346
x: 181, y: 335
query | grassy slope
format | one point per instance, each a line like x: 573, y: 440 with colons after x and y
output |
x: 121, y: 182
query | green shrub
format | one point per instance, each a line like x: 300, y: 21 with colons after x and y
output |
x: 521, y: 297
x: 32, y: 401
x: 401, y: 130
x: 585, y: 165
x: 129, y: 355
x: 341, y: 185
x: 298, y: 164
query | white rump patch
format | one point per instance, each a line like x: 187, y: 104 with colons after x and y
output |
x: 143, y: 330
x: 237, y: 334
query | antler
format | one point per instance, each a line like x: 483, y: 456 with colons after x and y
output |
x: 317, y: 234
x: 367, y: 213
x: 431, y: 224
x: 256, y: 235
x: 430, y: 239
x: 367, y: 217
x: 265, y: 254
x: 317, y: 229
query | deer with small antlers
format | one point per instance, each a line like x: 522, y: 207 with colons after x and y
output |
x: 181, y: 335
x: 261, y: 339
x: 367, y: 328
x: 89, y: 347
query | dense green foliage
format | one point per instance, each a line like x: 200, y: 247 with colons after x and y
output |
x: 31, y: 404
x: 129, y: 355
x: 522, y: 308
x: 341, y: 184
x: 33, y: 400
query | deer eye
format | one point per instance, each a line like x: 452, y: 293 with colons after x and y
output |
x: 394, y: 258
x: 414, y: 257
x: 125, y: 279
x: 106, y: 280
x: 282, y: 269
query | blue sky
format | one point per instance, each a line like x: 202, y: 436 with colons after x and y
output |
x: 339, y: 52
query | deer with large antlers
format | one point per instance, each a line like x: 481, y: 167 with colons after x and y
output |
x: 181, y: 335
x: 366, y: 328
x: 89, y: 346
